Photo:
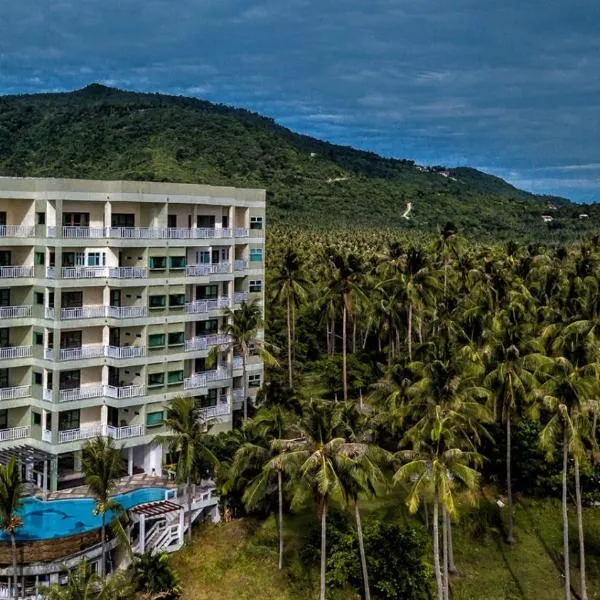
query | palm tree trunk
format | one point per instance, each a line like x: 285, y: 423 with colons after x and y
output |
x: 509, y: 536
x: 13, y: 543
x: 361, y: 547
x: 410, y: 311
x: 353, y: 335
x: 583, y: 585
x: 426, y: 512
x: 344, y: 365
x: 323, y: 546
x: 332, y: 336
x: 436, y: 546
x: 445, y: 552
x: 567, y: 573
x: 103, y: 544
x: 328, y: 338
x: 245, y: 388
x: 188, y: 490
x: 289, y: 336
x: 451, y: 564
x: 280, y: 498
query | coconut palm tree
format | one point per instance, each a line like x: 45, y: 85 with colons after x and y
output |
x: 154, y: 577
x: 11, y: 491
x: 102, y: 466
x: 290, y: 285
x: 185, y: 440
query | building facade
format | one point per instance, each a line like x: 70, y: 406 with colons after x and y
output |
x: 112, y: 295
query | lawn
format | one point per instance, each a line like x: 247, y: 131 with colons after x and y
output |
x: 237, y: 560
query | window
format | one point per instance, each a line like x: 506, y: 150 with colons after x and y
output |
x: 157, y: 262
x: 206, y: 221
x: 38, y: 338
x: 203, y: 257
x: 154, y: 419
x: 70, y: 339
x: 39, y: 258
x: 174, y: 377
x: 256, y: 222
x: 68, y: 419
x: 4, y: 418
x: 3, y: 378
x: 40, y: 218
x: 37, y: 378
x: 255, y: 286
x: 256, y: 254
x: 76, y: 219
x: 207, y: 292
x: 176, y: 300
x: 158, y: 301
x: 96, y: 259
x: 176, y: 338
x: 5, y: 258
x: 69, y: 380
x: 39, y: 298
x: 2, y: 218
x: 122, y: 220
x: 207, y: 327
x: 36, y: 418
x: 156, y: 340
x: 171, y: 220
x: 254, y: 381
x: 71, y: 299
x: 176, y: 262
x: 156, y: 379
x: 5, y: 297
x: 4, y: 337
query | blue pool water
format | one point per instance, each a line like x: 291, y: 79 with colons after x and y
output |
x: 60, y: 518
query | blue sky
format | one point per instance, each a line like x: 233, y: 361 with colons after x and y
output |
x: 511, y: 87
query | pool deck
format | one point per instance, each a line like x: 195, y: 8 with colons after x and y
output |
x: 125, y: 484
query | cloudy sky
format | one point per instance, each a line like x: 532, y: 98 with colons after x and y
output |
x: 512, y: 87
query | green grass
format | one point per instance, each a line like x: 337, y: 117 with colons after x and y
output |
x: 238, y: 560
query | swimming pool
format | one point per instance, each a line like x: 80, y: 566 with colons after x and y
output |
x: 61, y: 518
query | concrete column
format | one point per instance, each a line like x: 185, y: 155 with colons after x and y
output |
x: 77, y: 460
x: 45, y: 477
x: 142, y: 534
x: 130, y: 461
x: 54, y: 474
x: 107, y: 214
x: 104, y: 377
x: 181, y: 525
x: 104, y: 416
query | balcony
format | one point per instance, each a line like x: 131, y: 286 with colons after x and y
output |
x: 82, y: 433
x: 237, y: 398
x: 241, y: 232
x: 205, y: 342
x: 126, y: 312
x: 15, y: 312
x: 202, y: 306
x: 128, y: 391
x: 126, y: 432
x: 128, y: 272
x: 201, y: 380
x: 240, y: 265
x: 16, y: 352
x: 83, y: 312
x: 81, y: 393
x: 17, y: 231
x: 91, y: 351
x: 198, y: 233
x: 14, y: 433
x: 84, y: 272
x: 239, y: 297
x: 237, y: 363
x: 13, y: 393
x: 82, y: 232
x: 136, y: 233
x: 122, y: 352
x: 207, y: 269
x: 15, y: 272
x: 211, y: 412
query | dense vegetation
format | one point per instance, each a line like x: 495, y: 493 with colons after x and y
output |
x: 99, y: 132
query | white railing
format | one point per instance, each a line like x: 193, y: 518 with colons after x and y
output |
x: 92, y: 351
x: 240, y: 265
x: 47, y: 435
x: 218, y: 410
x: 207, y: 269
x: 239, y: 297
x: 122, y: 433
x: 125, y: 351
x: 48, y: 312
x: 195, y: 381
x: 12, y: 393
x: 14, y: 312
x: 14, y: 272
x: 197, y: 233
x: 17, y: 230
x: 241, y: 232
x: 82, y: 232
x: 16, y: 352
x: 128, y: 391
x: 50, y: 272
x: 83, y: 312
x: 83, y: 272
x: 202, y: 306
x: 128, y: 272
x: 199, y: 380
x: 82, y: 433
x: 47, y: 395
x: 137, y: 233
x: 81, y: 393
x: 237, y: 363
x: 51, y: 231
x: 126, y: 312
x: 14, y: 433
x: 206, y: 341
x: 238, y: 394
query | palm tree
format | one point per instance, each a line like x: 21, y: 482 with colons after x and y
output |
x: 154, y: 577
x: 242, y: 328
x: 102, y: 465
x: 290, y: 284
x: 185, y: 440
x: 11, y: 490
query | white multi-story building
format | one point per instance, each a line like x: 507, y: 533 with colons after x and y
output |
x: 112, y: 294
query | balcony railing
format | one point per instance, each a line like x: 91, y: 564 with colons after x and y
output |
x: 91, y: 351
x: 136, y: 233
x: 14, y: 433
x: 126, y: 312
x: 241, y: 232
x: 218, y: 410
x: 81, y: 393
x: 50, y: 272
x: 128, y: 272
x: 47, y: 435
x: 125, y: 432
x: 15, y: 312
x: 200, y: 380
x: 205, y: 342
x: 237, y: 363
x: 202, y: 306
x: 47, y: 395
x: 239, y: 297
x: 207, y: 269
x: 49, y: 312
x: 125, y: 351
x: 16, y: 352
x: 128, y: 391
x: 240, y: 265
x: 82, y: 232
x: 12, y: 393
x: 197, y: 233
x: 83, y: 312
x: 15, y: 272
x: 83, y: 272
x: 82, y: 433
x: 21, y: 231
x: 237, y: 398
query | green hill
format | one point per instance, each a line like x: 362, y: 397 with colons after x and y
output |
x: 100, y: 132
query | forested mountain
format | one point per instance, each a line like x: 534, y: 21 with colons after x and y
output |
x: 100, y: 132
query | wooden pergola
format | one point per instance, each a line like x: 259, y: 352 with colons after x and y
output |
x: 27, y: 456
